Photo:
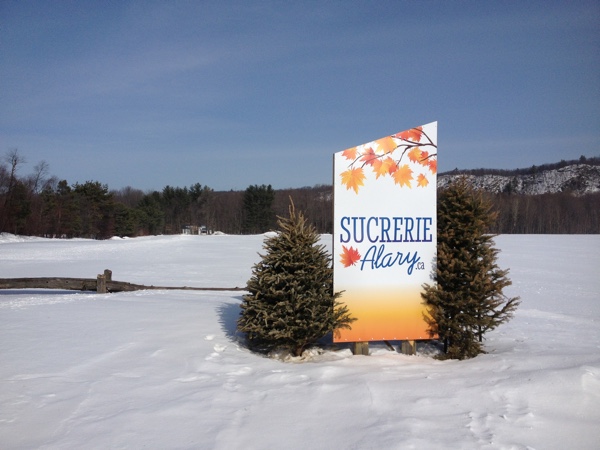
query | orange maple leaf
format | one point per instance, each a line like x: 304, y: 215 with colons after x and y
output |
x: 433, y: 165
x: 369, y: 156
x: 403, y: 175
x: 384, y: 167
x: 422, y: 180
x: 350, y: 153
x: 387, y: 144
x: 415, y: 155
x: 349, y: 256
x: 377, y: 167
x: 393, y: 166
x: 424, y: 161
x: 413, y: 135
x: 353, y: 178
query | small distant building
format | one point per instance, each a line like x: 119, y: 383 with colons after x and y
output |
x: 190, y: 229
x: 195, y: 229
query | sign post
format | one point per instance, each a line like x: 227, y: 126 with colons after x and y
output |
x: 384, y: 234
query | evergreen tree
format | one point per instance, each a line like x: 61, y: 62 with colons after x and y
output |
x: 125, y: 220
x: 96, y: 209
x: 467, y: 300
x: 291, y: 302
x: 258, y: 209
x: 151, y: 217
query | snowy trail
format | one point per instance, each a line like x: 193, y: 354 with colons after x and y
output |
x: 165, y: 369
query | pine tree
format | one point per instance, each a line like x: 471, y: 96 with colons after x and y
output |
x: 467, y: 300
x: 258, y: 209
x: 291, y: 302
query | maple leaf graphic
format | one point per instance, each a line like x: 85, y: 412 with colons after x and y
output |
x: 415, y: 155
x: 433, y: 165
x: 386, y: 144
x: 422, y: 180
x: 350, y: 153
x: 369, y: 156
x: 393, y: 166
x: 353, y: 178
x: 413, y: 135
x: 403, y: 176
x: 384, y: 167
x: 349, y: 256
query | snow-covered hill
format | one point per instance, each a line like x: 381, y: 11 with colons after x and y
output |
x: 576, y: 178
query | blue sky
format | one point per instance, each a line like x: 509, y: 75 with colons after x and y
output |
x: 233, y: 93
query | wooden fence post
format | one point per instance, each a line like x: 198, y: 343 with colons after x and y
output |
x: 409, y: 348
x: 361, y: 348
x: 101, y: 284
x: 108, y: 275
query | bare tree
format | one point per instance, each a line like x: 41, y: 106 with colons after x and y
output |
x: 13, y: 159
x: 38, y: 178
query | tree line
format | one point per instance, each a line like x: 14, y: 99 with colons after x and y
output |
x: 558, y: 213
x: 38, y: 204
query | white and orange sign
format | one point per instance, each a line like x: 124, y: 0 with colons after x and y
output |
x: 384, y: 235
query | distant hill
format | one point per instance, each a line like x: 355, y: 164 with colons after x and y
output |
x: 578, y: 177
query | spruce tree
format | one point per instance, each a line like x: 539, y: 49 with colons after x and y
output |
x: 467, y: 300
x: 291, y: 303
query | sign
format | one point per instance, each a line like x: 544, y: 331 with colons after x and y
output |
x: 384, y: 234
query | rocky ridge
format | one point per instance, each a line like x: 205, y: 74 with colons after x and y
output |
x: 578, y: 179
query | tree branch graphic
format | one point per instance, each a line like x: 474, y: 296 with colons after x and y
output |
x: 386, y: 157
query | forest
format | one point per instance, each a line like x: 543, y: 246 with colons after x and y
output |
x: 39, y: 204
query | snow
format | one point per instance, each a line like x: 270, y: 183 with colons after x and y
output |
x: 166, y: 369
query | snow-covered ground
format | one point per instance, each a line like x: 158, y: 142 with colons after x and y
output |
x: 166, y: 370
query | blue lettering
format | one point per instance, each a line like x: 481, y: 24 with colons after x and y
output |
x: 385, y: 228
x: 397, y: 229
x: 369, y: 229
x: 362, y: 229
x: 377, y: 258
x: 426, y: 229
x: 347, y: 239
x: 410, y: 223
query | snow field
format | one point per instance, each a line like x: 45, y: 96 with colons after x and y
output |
x: 166, y: 369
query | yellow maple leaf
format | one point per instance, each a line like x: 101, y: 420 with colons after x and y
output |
x: 353, y: 178
x: 350, y: 153
x: 403, y: 175
x: 422, y: 180
x: 384, y: 167
x: 415, y: 155
x: 386, y: 145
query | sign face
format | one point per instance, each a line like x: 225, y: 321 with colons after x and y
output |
x: 384, y: 234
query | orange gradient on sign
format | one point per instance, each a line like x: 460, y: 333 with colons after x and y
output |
x: 385, y: 315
